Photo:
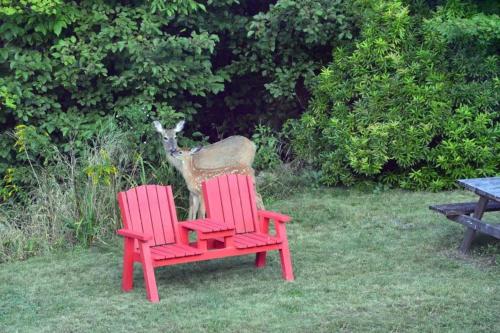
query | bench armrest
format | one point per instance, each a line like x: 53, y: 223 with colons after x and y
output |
x: 133, y: 234
x: 275, y: 216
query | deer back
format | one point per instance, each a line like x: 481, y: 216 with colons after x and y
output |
x: 234, y: 150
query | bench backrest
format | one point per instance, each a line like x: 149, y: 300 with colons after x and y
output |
x: 231, y: 199
x: 150, y: 209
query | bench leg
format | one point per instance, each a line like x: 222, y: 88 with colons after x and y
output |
x: 128, y: 265
x: 471, y: 233
x: 260, y: 259
x: 286, y: 263
x: 149, y: 274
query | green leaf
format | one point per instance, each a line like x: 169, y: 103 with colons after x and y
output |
x: 58, y: 26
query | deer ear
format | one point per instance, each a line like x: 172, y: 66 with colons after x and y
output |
x: 194, y: 150
x: 179, y: 126
x: 158, y: 126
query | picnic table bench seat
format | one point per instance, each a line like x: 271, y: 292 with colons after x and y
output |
x: 464, y: 208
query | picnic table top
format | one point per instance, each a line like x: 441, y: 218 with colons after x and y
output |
x: 487, y: 187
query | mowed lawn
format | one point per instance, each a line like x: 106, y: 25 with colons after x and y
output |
x: 363, y: 261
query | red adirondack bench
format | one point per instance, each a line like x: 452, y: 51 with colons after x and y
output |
x: 154, y: 237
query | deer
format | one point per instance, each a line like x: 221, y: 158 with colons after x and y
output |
x: 232, y: 155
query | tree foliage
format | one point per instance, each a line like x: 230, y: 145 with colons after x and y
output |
x: 66, y: 67
x: 270, y: 52
x: 414, y: 104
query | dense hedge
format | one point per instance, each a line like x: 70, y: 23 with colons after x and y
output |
x: 411, y: 97
x: 67, y: 67
x: 415, y: 102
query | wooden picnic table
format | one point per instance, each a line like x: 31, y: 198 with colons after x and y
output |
x: 470, y: 214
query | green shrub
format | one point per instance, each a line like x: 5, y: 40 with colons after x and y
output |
x: 270, y: 51
x: 70, y: 199
x: 268, y: 148
x: 66, y: 67
x: 413, y: 104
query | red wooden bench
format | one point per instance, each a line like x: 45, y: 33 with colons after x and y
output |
x: 154, y: 237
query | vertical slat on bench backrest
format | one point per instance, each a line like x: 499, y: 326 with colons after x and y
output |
x: 156, y: 219
x: 253, y: 202
x: 134, y: 211
x: 168, y: 213
x: 236, y: 203
x: 142, y: 197
x: 129, y: 210
x: 247, y: 204
x: 227, y: 203
x: 125, y: 214
x: 213, y: 204
x: 172, y: 214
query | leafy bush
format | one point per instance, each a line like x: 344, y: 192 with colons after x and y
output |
x: 270, y: 51
x: 72, y: 197
x: 268, y: 146
x: 65, y: 68
x: 414, y: 103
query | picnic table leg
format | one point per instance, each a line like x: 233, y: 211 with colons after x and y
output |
x: 471, y: 233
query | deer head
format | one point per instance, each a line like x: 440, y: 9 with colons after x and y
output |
x: 169, y: 135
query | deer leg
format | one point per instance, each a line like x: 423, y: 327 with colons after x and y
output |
x: 191, y: 206
x: 194, y: 205
x: 259, y: 202
x: 201, y: 211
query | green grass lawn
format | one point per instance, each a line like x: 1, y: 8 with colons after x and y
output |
x: 363, y: 262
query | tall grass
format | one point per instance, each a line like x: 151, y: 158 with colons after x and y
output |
x: 74, y: 199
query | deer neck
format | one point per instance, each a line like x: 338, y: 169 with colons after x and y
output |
x: 187, y: 171
x: 185, y: 168
x: 176, y: 163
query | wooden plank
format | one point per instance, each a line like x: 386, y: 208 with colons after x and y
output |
x: 236, y: 204
x: 253, y: 203
x: 179, y: 252
x: 260, y: 238
x: 246, y: 203
x: 216, y: 253
x: 124, y: 210
x: 167, y: 251
x: 142, y: 198
x: 166, y: 215
x: 213, y: 202
x: 478, y: 225
x: 488, y: 186
x: 227, y: 204
x: 158, y: 253
x: 241, y: 242
x: 463, y: 208
x: 212, y: 225
x: 134, y: 211
x: 156, y: 220
x: 189, y: 249
x: 173, y: 213
x: 198, y: 226
x: 248, y: 241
